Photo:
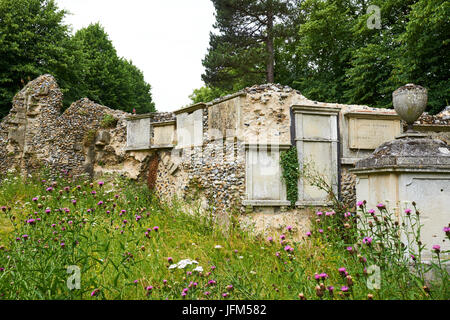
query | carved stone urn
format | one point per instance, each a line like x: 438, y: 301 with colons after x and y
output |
x: 410, y: 102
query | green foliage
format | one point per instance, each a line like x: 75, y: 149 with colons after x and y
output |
x: 108, y: 79
x: 108, y: 121
x: 291, y: 173
x: 206, y: 94
x: 242, y: 52
x: 108, y: 230
x: 34, y: 40
x: 426, y: 56
x: 326, y: 50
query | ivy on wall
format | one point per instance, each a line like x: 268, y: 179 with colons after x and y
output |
x: 291, y: 173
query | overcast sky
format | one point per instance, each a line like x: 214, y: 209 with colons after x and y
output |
x: 166, y: 39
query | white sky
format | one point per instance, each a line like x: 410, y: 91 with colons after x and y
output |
x: 166, y: 39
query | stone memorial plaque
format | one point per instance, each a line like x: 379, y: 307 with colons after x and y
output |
x: 138, y: 134
x: 190, y: 129
x: 163, y: 135
x: 371, y: 133
x: 224, y: 118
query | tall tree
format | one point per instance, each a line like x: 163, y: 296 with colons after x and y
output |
x: 425, y: 59
x: 105, y: 77
x: 33, y: 41
x: 243, y: 50
x: 315, y: 57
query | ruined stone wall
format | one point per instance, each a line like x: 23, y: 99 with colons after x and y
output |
x: 35, y: 133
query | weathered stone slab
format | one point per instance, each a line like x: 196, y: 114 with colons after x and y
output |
x: 138, y: 134
x: 163, y: 134
x: 190, y: 129
x: 371, y: 133
x: 224, y: 119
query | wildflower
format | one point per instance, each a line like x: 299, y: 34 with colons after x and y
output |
x: 95, y: 292
x: 282, y: 237
x: 93, y: 192
x: 342, y: 271
x: 164, y: 281
x: 224, y: 295
x: 63, y: 245
x: 367, y: 240
x: 207, y: 293
x: 135, y: 281
x: 277, y: 254
x: 360, y: 204
x: 211, y: 282
x: 289, y: 228
x: 25, y: 236
x: 301, y: 296
x: 74, y: 202
x: 408, y: 211
x: 319, y: 213
x: 349, y: 281
x: 66, y: 189
x: 125, y: 221
x: 350, y: 249
x: 230, y: 287
x: 49, y: 189
x: 156, y: 229
x: 319, y: 291
x: 330, y: 289
x: 270, y: 239
x: 323, y: 276
x: 381, y: 206
x: 101, y: 183
x: 138, y: 218
x: 31, y: 221
x: 198, y: 269
x: 213, y: 267
x: 447, y: 230
x: 34, y: 199
x: 413, y: 257
x: 344, y: 289
x: 308, y: 234
x: 371, y: 211
x: 320, y: 230
x: 48, y: 210
x: 149, y: 288
x: 100, y: 203
x: 347, y: 214
x: 437, y: 248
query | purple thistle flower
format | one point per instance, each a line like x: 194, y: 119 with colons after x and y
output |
x: 95, y: 292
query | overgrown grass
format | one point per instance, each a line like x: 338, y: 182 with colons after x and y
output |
x: 125, y: 241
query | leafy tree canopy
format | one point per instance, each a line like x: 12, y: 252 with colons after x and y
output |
x: 34, y: 40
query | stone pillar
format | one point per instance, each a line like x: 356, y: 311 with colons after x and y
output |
x: 410, y: 168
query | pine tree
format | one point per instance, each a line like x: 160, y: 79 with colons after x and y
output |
x: 243, y: 51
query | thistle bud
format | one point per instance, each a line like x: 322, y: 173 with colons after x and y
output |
x: 349, y: 281
x: 319, y: 291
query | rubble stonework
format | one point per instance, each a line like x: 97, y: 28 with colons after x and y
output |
x: 214, y: 171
